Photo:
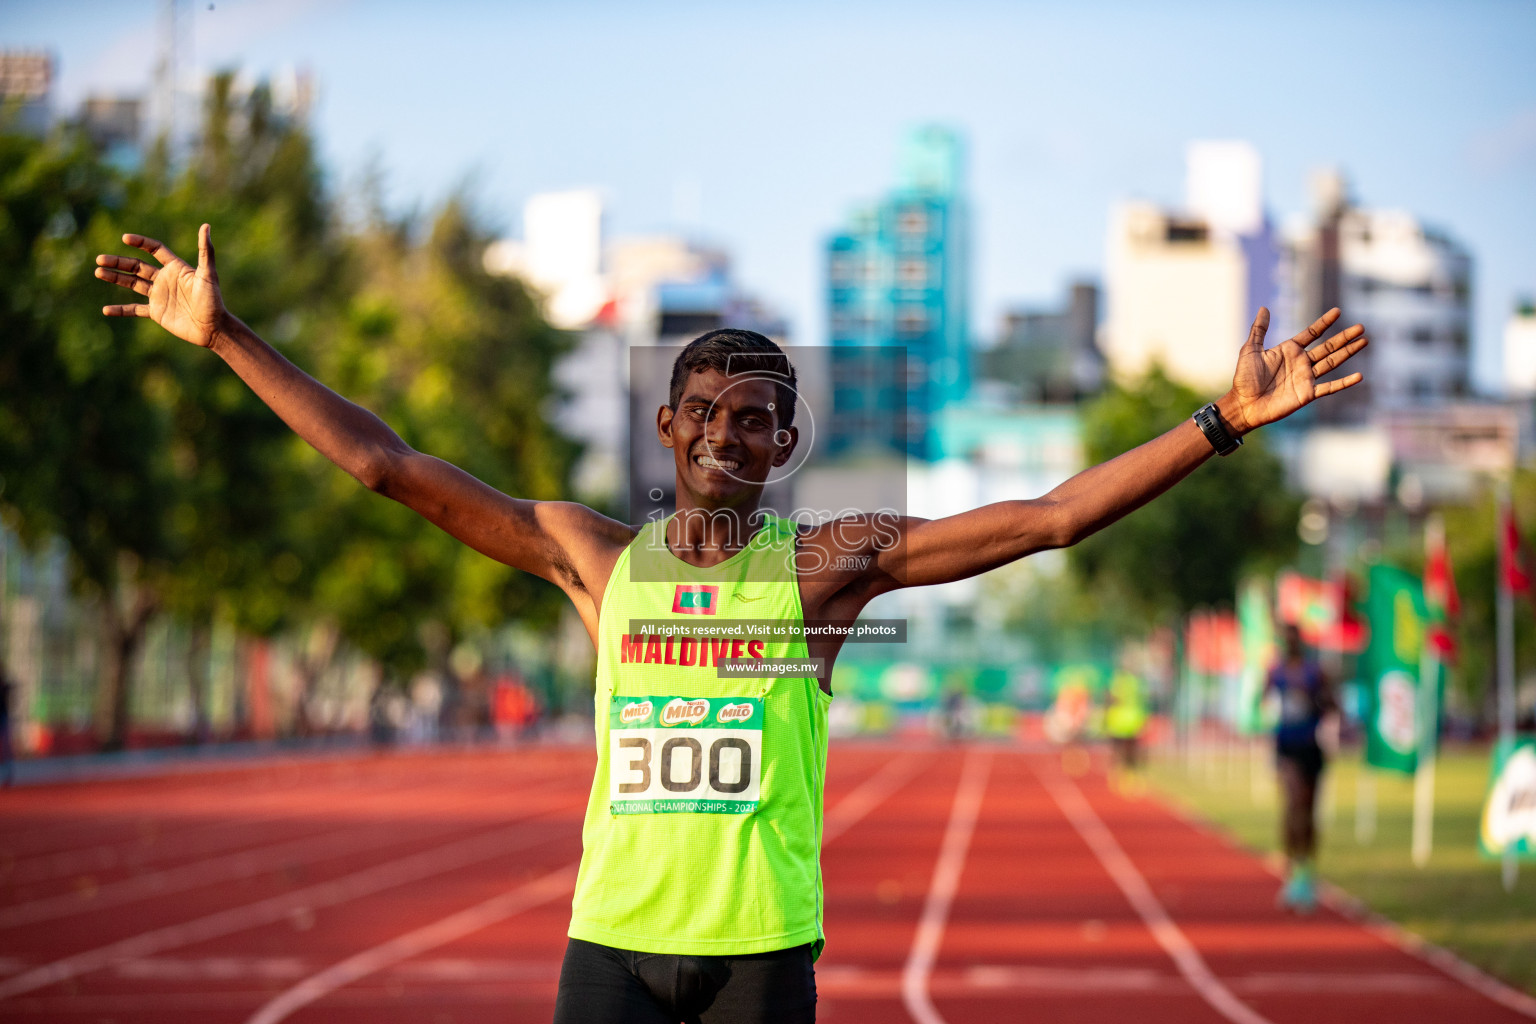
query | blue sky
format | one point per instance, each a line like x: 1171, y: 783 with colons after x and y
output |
x: 758, y: 126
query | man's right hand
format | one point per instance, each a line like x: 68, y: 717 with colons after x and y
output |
x: 183, y: 300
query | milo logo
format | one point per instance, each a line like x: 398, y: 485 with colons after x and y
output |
x: 734, y: 713
x: 684, y: 712
x: 635, y: 712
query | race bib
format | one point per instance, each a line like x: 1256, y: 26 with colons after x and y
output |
x: 673, y: 755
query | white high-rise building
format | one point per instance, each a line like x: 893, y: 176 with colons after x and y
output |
x: 560, y: 255
x: 1182, y: 287
x: 1409, y: 284
x: 1224, y: 185
x: 1520, y: 352
x: 1174, y: 296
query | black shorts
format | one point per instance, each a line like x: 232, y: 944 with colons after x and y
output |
x: 1308, y: 757
x: 619, y: 986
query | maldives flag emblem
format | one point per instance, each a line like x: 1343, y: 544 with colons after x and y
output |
x: 696, y: 599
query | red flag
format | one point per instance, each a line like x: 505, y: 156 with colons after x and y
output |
x: 1440, y: 591
x: 1322, y: 610
x: 1513, y: 576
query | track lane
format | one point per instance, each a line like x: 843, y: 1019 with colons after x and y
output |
x: 1325, y: 968
x: 1036, y: 929
x: 290, y: 854
x: 508, y: 969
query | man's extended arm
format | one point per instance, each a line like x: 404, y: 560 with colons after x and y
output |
x: 1269, y: 385
x: 530, y: 535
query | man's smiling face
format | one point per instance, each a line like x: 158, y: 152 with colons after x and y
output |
x: 725, y: 437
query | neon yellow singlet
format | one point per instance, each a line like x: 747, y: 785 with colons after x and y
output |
x: 703, y: 871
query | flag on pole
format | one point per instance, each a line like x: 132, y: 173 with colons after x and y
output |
x: 1513, y: 580
x: 1512, y: 573
x: 1440, y: 596
x: 1441, y: 602
x: 1392, y: 707
x: 1321, y: 610
x: 1257, y: 628
x: 1508, y: 826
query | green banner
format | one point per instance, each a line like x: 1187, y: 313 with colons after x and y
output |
x: 1392, y: 713
x: 1258, y: 636
x: 1509, y: 814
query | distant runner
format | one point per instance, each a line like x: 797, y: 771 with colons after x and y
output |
x: 1124, y: 720
x: 1307, y: 710
x: 699, y: 896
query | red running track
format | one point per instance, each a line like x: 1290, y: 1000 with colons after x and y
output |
x: 963, y: 884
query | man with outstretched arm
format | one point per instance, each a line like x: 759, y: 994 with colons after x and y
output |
x: 699, y: 895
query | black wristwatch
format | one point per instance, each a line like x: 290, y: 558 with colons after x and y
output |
x: 1209, y: 422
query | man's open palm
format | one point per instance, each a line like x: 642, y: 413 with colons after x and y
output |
x: 1270, y: 384
x: 182, y: 299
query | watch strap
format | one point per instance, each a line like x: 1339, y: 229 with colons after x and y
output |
x: 1209, y: 422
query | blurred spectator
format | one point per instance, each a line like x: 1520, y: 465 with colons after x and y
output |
x: 7, y: 749
x: 952, y: 713
x: 381, y: 718
x: 514, y: 708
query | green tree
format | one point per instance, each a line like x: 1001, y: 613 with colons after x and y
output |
x: 238, y: 492
x: 82, y: 449
x: 458, y: 362
x: 174, y: 487
x: 1188, y: 548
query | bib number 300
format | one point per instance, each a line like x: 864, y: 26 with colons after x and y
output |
x: 672, y: 755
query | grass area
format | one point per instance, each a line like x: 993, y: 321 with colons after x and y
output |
x: 1457, y: 900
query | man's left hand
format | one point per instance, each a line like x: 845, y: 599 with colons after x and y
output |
x: 1270, y: 384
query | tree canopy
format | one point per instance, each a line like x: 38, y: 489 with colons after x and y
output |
x: 172, y: 485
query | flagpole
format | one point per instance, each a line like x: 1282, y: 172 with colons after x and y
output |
x: 1365, y: 803
x: 1506, y: 623
x: 1429, y: 723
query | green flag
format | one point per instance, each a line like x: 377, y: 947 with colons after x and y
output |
x: 1398, y: 619
x: 1509, y: 814
x: 1258, y: 637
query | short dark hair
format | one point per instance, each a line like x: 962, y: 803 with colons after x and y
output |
x: 732, y: 351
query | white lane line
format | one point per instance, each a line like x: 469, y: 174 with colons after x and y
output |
x: 1394, y: 934
x: 305, y: 850
x: 869, y: 794
x: 941, y: 890
x: 403, y: 947
x: 1427, y: 952
x: 864, y: 798
x: 1183, y: 953
x: 128, y: 852
x: 388, y: 875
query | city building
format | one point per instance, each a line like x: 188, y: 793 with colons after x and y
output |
x: 898, y: 281
x: 26, y: 90
x: 1048, y: 355
x: 1182, y: 286
x: 1520, y: 352
x: 631, y: 302
x: 1410, y: 285
x: 115, y: 125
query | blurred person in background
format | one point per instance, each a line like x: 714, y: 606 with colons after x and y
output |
x: 952, y: 712
x: 1305, y: 733
x: 7, y: 749
x: 1124, y: 720
x: 713, y: 911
